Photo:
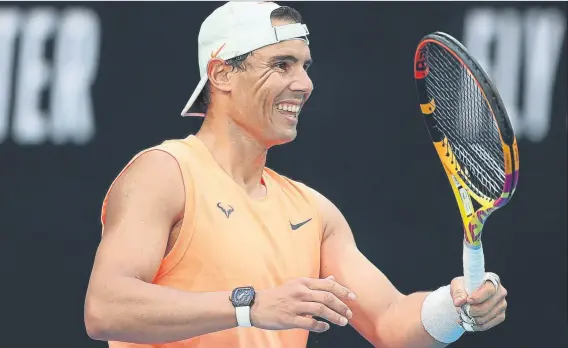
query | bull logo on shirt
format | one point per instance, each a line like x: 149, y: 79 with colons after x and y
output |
x: 226, y: 211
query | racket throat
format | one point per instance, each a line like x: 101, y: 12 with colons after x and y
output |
x: 474, y: 227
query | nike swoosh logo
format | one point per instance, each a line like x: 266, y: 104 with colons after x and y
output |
x: 296, y: 226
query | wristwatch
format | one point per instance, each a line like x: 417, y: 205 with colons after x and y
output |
x: 242, y: 299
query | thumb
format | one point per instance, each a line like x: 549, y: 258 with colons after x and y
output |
x: 457, y: 290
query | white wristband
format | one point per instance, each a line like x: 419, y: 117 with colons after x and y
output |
x: 243, y: 316
x: 439, y: 316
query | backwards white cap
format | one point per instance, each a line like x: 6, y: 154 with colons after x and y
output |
x: 234, y: 29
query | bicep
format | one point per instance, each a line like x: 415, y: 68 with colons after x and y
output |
x: 341, y: 258
x: 143, y: 205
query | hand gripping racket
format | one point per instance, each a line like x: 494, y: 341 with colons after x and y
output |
x: 472, y: 135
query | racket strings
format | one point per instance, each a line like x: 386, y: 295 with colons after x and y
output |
x: 464, y: 117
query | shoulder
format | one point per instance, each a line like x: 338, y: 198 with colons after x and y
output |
x: 333, y: 221
x: 152, y: 175
x: 164, y: 161
x: 335, y: 228
x: 329, y: 211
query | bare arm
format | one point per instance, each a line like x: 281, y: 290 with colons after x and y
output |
x: 381, y: 314
x: 121, y: 303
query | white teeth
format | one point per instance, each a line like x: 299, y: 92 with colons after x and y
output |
x: 290, y: 108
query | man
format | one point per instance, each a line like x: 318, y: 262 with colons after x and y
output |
x: 203, y: 246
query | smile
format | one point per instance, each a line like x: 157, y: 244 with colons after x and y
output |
x: 289, y: 107
x: 291, y: 111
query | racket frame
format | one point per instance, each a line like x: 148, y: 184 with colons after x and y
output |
x: 473, y: 219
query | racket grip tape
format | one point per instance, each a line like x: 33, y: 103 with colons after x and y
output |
x: 473, y: 267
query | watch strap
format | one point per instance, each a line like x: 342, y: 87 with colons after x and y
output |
x: 243, y: 316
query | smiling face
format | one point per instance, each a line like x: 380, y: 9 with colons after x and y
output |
x: 266, y: 98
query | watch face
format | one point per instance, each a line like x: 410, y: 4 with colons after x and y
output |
x: 243, y: 296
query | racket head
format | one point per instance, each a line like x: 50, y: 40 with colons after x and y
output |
x: 469, y: 127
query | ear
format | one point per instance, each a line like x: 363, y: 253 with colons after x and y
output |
x: 218, y: 72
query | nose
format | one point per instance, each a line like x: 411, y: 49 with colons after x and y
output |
x: 302, y: 83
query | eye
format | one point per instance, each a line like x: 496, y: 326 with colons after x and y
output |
x: 281, y: 65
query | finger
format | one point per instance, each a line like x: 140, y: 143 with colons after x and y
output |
x: 322, y: 311
x: 485, y: 292
x: 457, y: 290
x: 331, y: 286
x: 491, y: 323
x: 493, y: 312
x: 310, y: 324
x: 481, y: 309
x: 331, y: 301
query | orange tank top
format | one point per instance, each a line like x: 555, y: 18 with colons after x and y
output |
x: 229, y: 240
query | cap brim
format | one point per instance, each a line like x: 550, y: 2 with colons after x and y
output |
x: 195, y: 106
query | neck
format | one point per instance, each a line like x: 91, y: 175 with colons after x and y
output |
x: 240, y: 155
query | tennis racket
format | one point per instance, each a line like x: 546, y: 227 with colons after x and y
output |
x: 473, y: 138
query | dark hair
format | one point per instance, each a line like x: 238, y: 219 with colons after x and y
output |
x: 282, y: 13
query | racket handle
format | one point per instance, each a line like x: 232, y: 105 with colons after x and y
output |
x: 473, y: 267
